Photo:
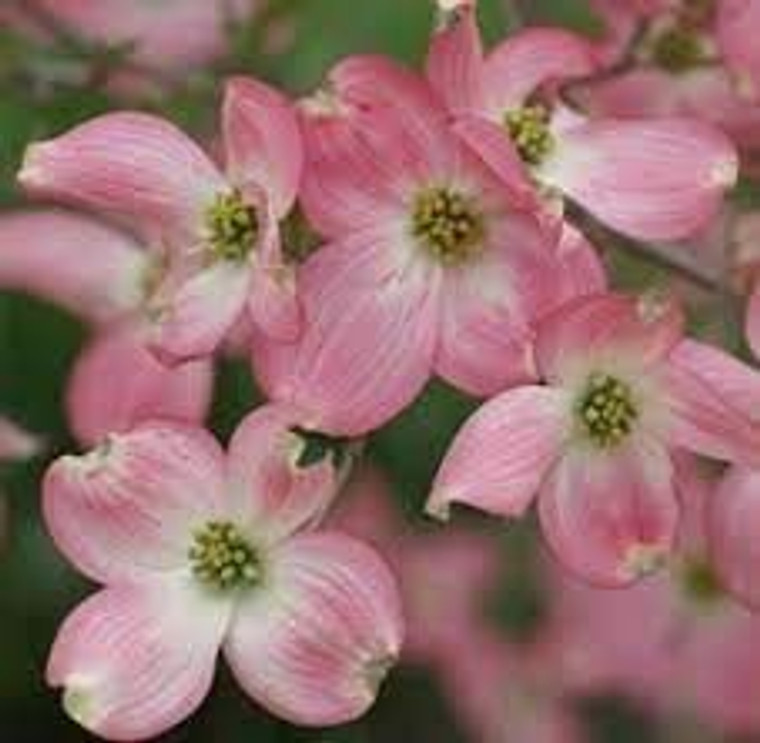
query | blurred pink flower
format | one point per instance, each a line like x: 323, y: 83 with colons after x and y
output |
x: 218, y: 233
x: 731, y: 523
x: 103, y: 276
x: 652, y: 179
x: 199, y: 553
x: 595, y: 444
x: 503, y: 692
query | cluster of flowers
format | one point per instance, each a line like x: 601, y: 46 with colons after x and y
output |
x: 391, y: 227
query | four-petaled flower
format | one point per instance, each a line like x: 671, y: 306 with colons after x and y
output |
x: 594, y: 443
x: 430, y: 265
x: 199, y: 553
x: 218, y: 233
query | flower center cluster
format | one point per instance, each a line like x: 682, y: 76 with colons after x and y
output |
x: 232, y: 227
x: 678, y: 49
x: 222, y: 558
x: 447, y: 224
x: 700, y: 583
x: 529, y: 130
x: 606, y: 410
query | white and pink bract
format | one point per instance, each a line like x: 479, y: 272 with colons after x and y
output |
x: 200, y: 552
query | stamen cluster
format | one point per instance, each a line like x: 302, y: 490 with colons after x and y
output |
x: 232, y: 226
x: 700, y: 582
x: 678, y: 49
x: 447, y: 224
x: 607, y: 411
x: 528, y: 127
x: 222, y: 558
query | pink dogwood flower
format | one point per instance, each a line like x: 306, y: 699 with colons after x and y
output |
x: 678, y: 59
x: 200, y: 553
x: 594, y: 443
x: 736, y: 23
x: 103, y: 276
x: 652, y: 179
x: 501, y: 693
x: 733, y: 533
x: 429, y: 265
x: 218, y: 232
x: 686, y: 33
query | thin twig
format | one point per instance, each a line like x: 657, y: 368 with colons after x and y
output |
x: 667, y: 257
x: 678, y: 262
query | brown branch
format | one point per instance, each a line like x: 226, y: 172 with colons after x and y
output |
x: 667, y: 257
